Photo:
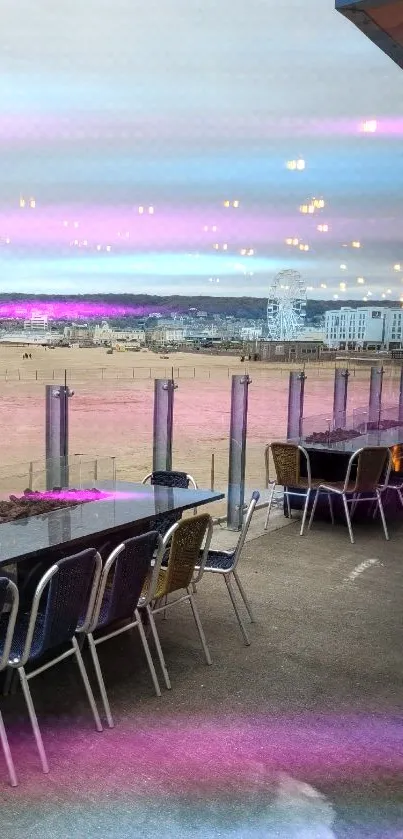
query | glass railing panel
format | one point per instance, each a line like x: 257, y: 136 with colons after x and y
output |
x: 201, y: 431
x: 113, y: 418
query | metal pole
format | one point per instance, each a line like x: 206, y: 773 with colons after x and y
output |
x: 212, y: 473
x: 296, y: 391
x: 401, y: 397
x: 340, y: 397
x: 375, y: 396
x: 163, y: 424
x: 57, y: 436
x: 237, y: 451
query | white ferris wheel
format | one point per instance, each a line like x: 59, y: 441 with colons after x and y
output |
x: 286, y: 306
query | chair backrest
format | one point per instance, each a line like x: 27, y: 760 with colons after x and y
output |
x: 181, y: 480
x: 71, y: 585
x: 372, y: 463
x: 8, y: 597
x: 286, y: 458
x: 185, y: 547
x: 245, y: 527
x: 129, y: 563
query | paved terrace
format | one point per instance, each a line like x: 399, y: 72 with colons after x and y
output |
x: 299, y: 735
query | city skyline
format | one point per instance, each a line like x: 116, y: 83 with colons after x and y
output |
x: 141, y: 155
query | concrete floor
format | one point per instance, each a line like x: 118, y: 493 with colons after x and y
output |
x: 299, y: 735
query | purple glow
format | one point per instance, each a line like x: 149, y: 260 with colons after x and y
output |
x: 66, y: 310
x: 19, y: 128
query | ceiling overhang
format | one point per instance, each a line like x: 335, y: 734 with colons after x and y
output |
x: 380, y: 20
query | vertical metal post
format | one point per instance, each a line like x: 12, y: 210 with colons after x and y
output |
x: 340, y: 397
x: 57, y: 436
x: 237, y: 451
x: 375, y: 396
x: 296, y: 391
x: 401, y: 397
x: 163, y: 424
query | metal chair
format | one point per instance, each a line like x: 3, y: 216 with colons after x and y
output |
x: 287, y: 463
x: 179, y: 480
x: 70, y: 585
x: 9, y: 597
x: 225, y: 563
x: 373, y: 465
x: 120, y: 588
x: 185, y: 539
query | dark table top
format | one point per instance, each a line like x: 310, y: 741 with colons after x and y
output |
x: 391, y: 437
x: 128, y: 504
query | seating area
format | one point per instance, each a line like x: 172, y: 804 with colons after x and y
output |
x: 106, y: 692
x: 315, y: 697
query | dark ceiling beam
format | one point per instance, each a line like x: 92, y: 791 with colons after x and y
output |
x: 380, y: 20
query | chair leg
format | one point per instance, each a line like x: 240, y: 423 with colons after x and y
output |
x: 34, y: 722
x: 308, y: 495
x: 158, y: 647
x: 147, y: 652
x: 380, y: 505
x: 348, y: 520
x: 270, y: 505
x: 200, y: 629
x: 244, y: 597
x: 237, y: 612
x: 87, y: 685
x: 330, y: 500
x: 7, y: 754
x: 313, y: 510
x: 101, y: 683
x: 287, y: 496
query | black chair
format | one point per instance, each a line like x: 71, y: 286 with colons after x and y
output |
x: 122, y: 581
x: 8, y: 601
x: 63, y: 603
x: 174, y: 480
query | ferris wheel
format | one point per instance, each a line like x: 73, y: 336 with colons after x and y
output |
x: 286, y: 306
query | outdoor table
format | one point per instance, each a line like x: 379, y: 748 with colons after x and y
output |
x: 130, y: 506
x: 329, y: 462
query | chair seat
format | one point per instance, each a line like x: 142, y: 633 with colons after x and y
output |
x: 219, y: 560
x: 338, y: 486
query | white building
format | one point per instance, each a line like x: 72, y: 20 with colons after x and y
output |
x: 367, y: 327
x: 251, y: 333
x: 36, y: 323
x: 164, y: 336
x: 105, y: 334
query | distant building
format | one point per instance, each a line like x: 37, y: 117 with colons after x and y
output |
x: 367, y: 327
x: 284, y: 350
x: 164, y: 336
x: 36, y: 323
x: 250, y: 333
x: 105, y: 334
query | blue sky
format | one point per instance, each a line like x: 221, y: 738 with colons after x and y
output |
x: 112, y: 108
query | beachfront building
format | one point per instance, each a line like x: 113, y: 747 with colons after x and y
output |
x: 36, y: 323
x: 366, y: 327
x: 165, y: 335
x: 104, y: 334
x: 284, y: 350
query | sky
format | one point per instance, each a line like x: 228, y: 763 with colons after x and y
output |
x: 127, y: 128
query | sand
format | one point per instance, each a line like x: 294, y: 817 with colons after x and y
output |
x: 111, y: 411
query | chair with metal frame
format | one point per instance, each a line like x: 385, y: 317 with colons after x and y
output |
x: 70, y: 586
x: 185, y: 540
x: 225, y: 563
x: 122, y: 581
x: 373, y: 465
x: 8, y: 597
x: 287, y: 463
x: 171, y: 479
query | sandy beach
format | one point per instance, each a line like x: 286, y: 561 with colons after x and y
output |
x: 112, y: 408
